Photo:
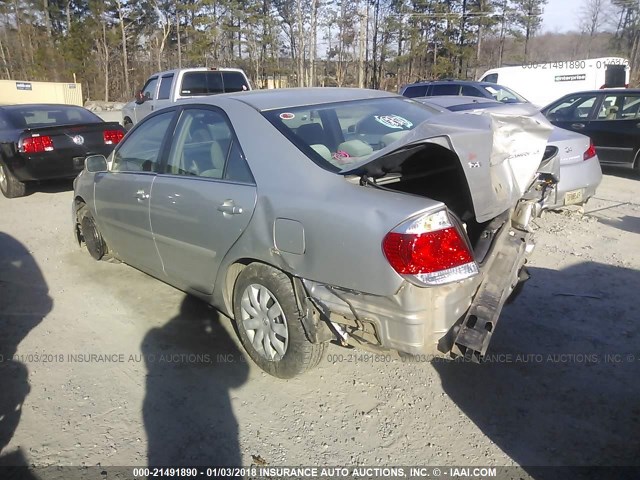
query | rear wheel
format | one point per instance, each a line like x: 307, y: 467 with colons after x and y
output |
x: 10, y: 186
x: 96, y: 245
x: 269, y: 324
x: 127, y: 124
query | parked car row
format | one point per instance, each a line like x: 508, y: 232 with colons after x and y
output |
x: 610, y: 117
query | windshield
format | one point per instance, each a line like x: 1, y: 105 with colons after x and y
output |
x: 337, y: 135
x: 504, y: 94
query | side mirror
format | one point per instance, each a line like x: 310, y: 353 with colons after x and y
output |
x: 140, y: 97
x: 95, y: 163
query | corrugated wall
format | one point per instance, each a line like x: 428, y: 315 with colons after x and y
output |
x: 12, y: 91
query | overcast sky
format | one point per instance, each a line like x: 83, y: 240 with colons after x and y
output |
x: 562, y: 15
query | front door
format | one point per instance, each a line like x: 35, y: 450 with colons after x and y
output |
x: 122, y: 194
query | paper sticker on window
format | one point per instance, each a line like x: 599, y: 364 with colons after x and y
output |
x: 393, y: 121
x: 287, y: 116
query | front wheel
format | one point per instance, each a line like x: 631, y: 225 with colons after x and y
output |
x: 269, y: 323
x: 10, y: 186
x: 96, y: 245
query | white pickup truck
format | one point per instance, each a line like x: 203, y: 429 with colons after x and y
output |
x: 164, y: 88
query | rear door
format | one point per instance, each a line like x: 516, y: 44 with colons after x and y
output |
x: 615, y: 130
x: 122, y: 194
x: 203, y: 201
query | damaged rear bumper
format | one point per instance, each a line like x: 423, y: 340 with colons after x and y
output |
x: 457, y: 318
x: 472, y: 336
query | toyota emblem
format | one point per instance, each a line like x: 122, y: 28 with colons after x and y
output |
x: 78, y: 139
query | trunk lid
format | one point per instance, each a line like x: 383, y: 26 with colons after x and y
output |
x: 76, y: 140
x: 499, y: 152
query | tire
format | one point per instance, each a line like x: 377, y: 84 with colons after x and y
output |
x: 96, y: 245
x: 127, y: 124
x: 10, y: 186
x: 285, y: 351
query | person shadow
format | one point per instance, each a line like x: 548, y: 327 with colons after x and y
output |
x: 192, y: 364
x: 24, y: 302
x: 558, y: 387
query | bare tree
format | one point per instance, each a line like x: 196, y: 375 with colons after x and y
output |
x: 592, y: 19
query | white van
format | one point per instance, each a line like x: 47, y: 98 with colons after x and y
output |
x: 542, y: 83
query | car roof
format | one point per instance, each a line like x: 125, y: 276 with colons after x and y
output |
x: 298, y: 97
x: 196, y: 69
x: 451, y: 81
x: 604, y: 90
x: 453, y: 100
x: 19, y: 106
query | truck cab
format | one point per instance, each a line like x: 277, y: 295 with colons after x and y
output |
x: 165, y: 88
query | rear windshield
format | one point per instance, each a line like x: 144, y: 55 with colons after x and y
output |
x: 337, y: 135
x: 211, y: 83
x: 32, y: 116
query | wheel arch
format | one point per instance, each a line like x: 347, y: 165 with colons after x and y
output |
x: 78, y: 203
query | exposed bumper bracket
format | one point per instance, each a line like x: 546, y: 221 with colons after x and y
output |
x: 474, y: 334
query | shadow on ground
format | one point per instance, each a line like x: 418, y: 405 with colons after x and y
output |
x: 623, y: 172
x: 51, y: 186
x: 560, y: 386
x: 192, y: 364
x: 24, y: 302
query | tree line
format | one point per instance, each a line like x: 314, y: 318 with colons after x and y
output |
x: 112, y: 46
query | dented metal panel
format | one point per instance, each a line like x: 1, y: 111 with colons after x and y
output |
x: 500, y: 154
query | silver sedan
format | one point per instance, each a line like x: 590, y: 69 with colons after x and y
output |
x: 308, y: 215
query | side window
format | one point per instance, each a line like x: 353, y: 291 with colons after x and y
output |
x: 204, y: 146
x: 619, y: 107
x: 417, y: 91
x: 201, y: 83
x: 491, y: 78
x: 165, y: 87
x: 149, y: 90
x: 631, y: 107
x: 140, y: 152
x: 234, y: 82
x: 445, y: 89
x: 572, y: 109
x: 237, y: 169
x: 471, y: 91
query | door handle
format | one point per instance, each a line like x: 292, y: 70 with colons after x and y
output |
x: 142, y: 195
x: 577, y: 125
x: 229, y: 208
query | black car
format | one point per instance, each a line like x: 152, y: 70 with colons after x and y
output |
x: 44, y: 142
x: 436, y: 88
x: 610, y: 117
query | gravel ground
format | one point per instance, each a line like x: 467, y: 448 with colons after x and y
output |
x: 168, y: 382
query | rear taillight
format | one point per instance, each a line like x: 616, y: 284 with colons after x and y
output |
x: 590, y: 153
x: 37, y: 144
x: 112, y: 137
x: 429, y: 250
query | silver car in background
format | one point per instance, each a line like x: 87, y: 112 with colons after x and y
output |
x: 308, y: 215
x: 580, y: 172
